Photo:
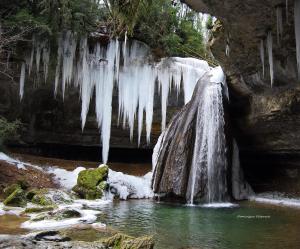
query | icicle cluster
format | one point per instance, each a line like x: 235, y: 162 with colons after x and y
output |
x: 124, y: 64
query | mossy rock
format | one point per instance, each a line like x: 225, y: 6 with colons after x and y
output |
x: 90, y: 178
x: 123, y: 241
x: 67, y: 214
x: 16, y: 198
x: 91, y: 183
x: 39, y: 209
x: 40, y: 198
x: 89, y: 194
x: 10, y: 189
x: 145, y: 242
x: 30, y: 194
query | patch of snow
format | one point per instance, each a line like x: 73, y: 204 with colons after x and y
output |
x: 87, y: 217
x: 127, y: 186
x: 66, y: 179
x: 276, y: 199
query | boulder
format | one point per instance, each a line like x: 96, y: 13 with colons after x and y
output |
x: 91, y: 183
x: 123, y: 241
x: 16, y: 198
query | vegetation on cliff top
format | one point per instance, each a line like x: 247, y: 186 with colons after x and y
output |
x: 161, y: 24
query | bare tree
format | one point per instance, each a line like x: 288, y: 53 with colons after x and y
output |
x: 8, y: 40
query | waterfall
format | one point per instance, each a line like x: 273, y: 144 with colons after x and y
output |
x: 262, y: 56
x: 209, y: 150
x: 135, y: 74
x: 297, y: 32
x: 270, y: 55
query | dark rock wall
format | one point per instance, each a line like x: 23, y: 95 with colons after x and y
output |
x: 52, y: 122
x: 266, y: 120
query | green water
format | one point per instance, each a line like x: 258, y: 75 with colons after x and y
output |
x: 176, y: 226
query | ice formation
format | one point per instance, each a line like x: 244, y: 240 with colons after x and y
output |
x: 297, y: 32
x: 129, y: 66
x: 262, y: 56
x: 270, y: 55
x: 279, y: 24
x: 128, y: 186
x: 22, y: 80
x: 287, y: 11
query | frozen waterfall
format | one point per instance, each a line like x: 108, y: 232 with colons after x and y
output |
x: 129, y: 66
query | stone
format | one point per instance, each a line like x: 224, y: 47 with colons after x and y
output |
x: 16, y: 198
x: 91, y: 183
x: 90, y: 178
x: 10, y: 189
x: 39, y: 209
x: 123, y: 241
x: 42, y: 199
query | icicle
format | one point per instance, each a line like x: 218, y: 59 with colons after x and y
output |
x: 32, y: 55
x: 22, y: 80
x: 279, y: 24
x: 287, y: 11
x: 297, y: 32
x: 69, y: 49
x: 164, y: 84
x: 262, y: 56
x: 227, y: 49
x: 46, y: 59
x: 117, y: 56
x: 107, y: 103
x: 58, y: 63
x: 38, y: 56
x: 86, y: 84
x: 125, y: 49
x: 270, y: 55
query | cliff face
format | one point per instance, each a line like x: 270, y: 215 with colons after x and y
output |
x: 54, y: 124
x: 266, y: 120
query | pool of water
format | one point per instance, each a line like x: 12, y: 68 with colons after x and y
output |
x: 178, y: 226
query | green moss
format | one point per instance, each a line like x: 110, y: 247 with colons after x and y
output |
x: 16, y: 198
x: 10, y: 189
x: 39, y: 209
x: 123, y: 241
x: 89, y: 194
x: 91, y: 183
x: 42, y: 199
x: 90, y: 178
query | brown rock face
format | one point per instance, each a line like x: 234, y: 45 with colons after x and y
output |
x: 266, y: 120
